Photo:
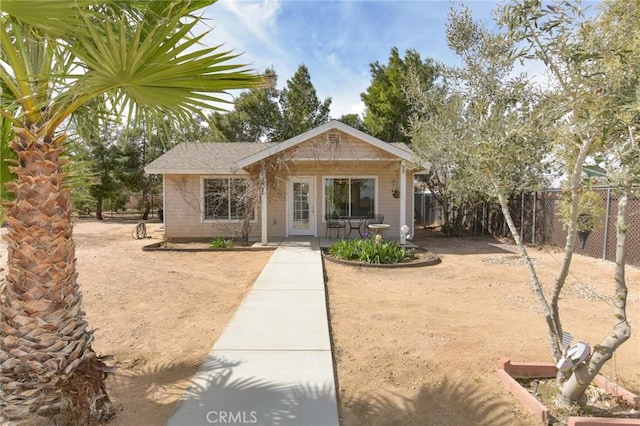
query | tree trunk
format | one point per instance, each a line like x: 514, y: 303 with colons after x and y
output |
x: 573, y: 390
x: 99, y: 201
x: 576, y: 187
x: 553, y: 333
x: 48, y: 368
x: 145, y: 203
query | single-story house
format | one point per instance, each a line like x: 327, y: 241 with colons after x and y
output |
x: 331, y: 170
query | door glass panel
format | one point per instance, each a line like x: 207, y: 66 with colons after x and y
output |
x: 300, y: 205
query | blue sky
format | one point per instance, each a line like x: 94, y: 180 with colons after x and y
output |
x: 337, y: 40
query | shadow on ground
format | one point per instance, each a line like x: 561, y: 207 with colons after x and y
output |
x: 214, y: 394
x: 446, y: 402
x: 437, y: 242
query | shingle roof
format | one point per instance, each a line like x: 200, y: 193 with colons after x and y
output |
x: 204, y: 158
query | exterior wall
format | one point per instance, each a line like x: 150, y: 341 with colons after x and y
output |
x: 183, y: 215
x: 276, y: 211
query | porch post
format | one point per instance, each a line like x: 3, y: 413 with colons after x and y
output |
x: 263, y: 208
x: 403, y: 196
x: 164, y: 205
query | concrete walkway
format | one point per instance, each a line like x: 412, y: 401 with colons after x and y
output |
x: 273, y: 364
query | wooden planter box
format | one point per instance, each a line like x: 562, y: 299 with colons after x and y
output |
x: 508, y: 371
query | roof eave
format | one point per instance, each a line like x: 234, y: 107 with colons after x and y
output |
x: 331, y: 125
x: 423, y: 169
x: 162, y: 171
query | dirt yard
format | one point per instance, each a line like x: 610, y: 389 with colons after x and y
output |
x: 419, y: 346
x: 413, y: 346
x: 157, y: 313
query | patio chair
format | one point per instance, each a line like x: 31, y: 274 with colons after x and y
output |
x: 333, y: 222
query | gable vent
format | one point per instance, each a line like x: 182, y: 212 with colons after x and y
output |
x: 333, y: 137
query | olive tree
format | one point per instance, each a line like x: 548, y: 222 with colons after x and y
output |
x: 588, y: 110
x: 592, y: 73
x: 478, y: 126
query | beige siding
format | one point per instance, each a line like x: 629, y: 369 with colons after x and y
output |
x: 349, y: 148
x: 183, y: 212
x: 276, y: 211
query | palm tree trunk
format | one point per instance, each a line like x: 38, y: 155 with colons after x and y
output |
x: 48, y: 368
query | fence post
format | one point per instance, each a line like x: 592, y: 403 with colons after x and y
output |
x: 484, y: 215
x: 606, y: 225
x: 475, y: 222
x: 522, y: 217
x: 504, y: 224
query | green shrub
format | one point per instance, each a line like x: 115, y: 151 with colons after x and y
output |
x: 591, y: 212
x: 367, y: 251
x: 221, y: 242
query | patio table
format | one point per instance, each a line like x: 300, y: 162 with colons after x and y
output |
x: 354, y: 222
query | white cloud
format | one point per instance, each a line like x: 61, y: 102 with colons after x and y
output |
x: 258, y: 18
x: 348, y: 103
x: 336, y: 40
x: 247, y: 27
x: 344, y: 91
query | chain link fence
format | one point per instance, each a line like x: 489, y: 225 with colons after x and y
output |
x: 536, y: 214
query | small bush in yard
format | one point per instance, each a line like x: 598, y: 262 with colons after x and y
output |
x: 221, y: 243
x: 367, y: 251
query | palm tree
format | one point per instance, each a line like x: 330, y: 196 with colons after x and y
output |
x: 6, y: 154
x: 137, y: 57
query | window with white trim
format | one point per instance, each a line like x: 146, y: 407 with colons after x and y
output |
x: 224, y: 199
x: 349, y: 196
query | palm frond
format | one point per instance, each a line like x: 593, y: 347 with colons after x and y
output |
x: 7, y: 156
x: 163, y: 72
x: 63, y: 17
x: 53, y: 16
x: 139, y: 57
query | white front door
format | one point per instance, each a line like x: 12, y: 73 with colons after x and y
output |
x: 301, y: 206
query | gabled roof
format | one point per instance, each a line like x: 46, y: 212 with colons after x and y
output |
x: 232, y: 157
x: 403, y: 153
x: 204, y: 158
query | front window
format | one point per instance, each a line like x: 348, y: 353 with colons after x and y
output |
x: 350, y: 196
x: 225, y: 199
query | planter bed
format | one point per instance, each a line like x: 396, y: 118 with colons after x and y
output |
x: 194, y: 247
x: 509, y: 371
x: 425, y: 258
